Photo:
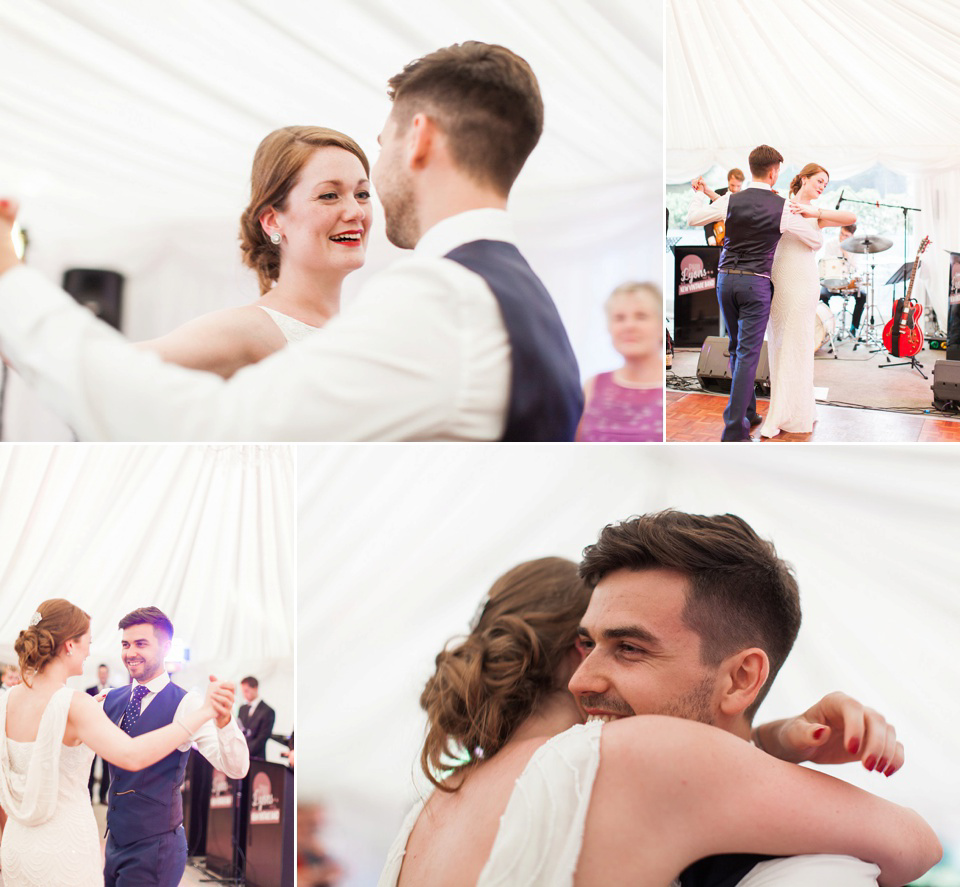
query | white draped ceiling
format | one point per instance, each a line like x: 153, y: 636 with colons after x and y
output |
x: 399, y: 544
x: 128, y: 133
x: 205, y: 533
x: 845, y: 83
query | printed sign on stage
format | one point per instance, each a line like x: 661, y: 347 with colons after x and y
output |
x: 264, y: 805
x: 696, y: 310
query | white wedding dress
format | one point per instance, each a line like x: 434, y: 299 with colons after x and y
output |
x: 50, y: 839
x: 790, y: 336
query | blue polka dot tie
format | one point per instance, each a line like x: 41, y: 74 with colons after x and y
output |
x: 131, y: 714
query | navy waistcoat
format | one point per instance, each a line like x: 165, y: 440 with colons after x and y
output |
x: 752, y: 231
x: 545, y: 395
x: 148, y: 802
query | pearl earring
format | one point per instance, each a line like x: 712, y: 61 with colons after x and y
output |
x: 275, y: 237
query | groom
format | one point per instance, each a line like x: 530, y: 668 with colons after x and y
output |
x: 460, y: 341
x: 755, y: 217
x: 146, y: 846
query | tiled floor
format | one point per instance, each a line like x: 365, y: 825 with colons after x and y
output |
x: 699, y: 417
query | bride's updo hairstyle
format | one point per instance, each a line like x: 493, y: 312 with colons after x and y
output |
x: 486, y: 684
x: 811, y: 169
x: 37, y: 645
x: 276, y: 169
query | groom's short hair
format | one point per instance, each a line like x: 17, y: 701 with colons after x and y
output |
x: 149, y: 616
x: 484, y: 97
x: 740, y: 594
x: 762, y: 158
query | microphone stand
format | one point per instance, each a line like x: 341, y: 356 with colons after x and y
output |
x: 903, y: 209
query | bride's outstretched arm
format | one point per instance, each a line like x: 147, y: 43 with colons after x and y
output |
x: 87, y: 723
x: 674, y: 791
x: 221, y: 342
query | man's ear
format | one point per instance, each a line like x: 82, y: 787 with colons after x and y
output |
x: 421, y: 141
x: 743, y: 676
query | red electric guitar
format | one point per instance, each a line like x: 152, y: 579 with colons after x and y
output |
x: 902, y: 337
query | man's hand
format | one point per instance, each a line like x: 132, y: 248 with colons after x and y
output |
x: 8, y: 214
x: 837, y: 730
x: 220, y: 696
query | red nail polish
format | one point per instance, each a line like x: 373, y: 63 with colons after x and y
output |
x: 890, y: 770
x: 854, y: 745
x: 818, y: 732
x: 882, y: 765
x: 870, y: 762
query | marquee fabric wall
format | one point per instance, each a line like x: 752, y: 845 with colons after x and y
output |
x: 398, y: 546
x: 846, y: 83
x: 205, y: 533
x: 128, y: 137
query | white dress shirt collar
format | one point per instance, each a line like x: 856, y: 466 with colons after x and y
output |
x: 253, y: 704
x: 474, y: 224
x: 158, y: 683
x: 764, y: 185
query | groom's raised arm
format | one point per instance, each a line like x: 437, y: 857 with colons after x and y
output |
x: 700, y: 214
x: 224, y: 747
x: 390, y: 372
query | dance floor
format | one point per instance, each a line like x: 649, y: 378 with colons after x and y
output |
x: 863, y: 402
x: 192, y: 877
x: 699, y: 417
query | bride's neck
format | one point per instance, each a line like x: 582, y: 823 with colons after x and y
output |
x: 53, y: 676
x: 557, y: 713
x: 311, y: 298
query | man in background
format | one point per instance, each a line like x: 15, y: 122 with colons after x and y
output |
x: 98, y: 765
x: 256, y: 718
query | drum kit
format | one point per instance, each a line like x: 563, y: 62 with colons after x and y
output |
x: 840, y: 277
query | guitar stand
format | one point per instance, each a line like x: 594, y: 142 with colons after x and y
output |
x: 913, y: 362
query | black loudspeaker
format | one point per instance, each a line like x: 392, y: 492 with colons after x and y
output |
x: 713, y: 368
x: 100, y: 291
x: 946, y: 385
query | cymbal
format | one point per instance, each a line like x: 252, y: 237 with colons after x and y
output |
x: 867, y: 244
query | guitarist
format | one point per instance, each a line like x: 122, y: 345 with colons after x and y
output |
x: 712, y: 232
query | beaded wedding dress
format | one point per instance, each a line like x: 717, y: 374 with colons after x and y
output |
x: 790, y: 334
x: 50, y: 839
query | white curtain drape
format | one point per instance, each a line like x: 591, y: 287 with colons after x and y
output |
x: 846, y: 83
x: 399, y: 544
x: 205, y: 533
x: 129, y: 137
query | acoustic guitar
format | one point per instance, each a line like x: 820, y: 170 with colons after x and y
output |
x: 902, y: 336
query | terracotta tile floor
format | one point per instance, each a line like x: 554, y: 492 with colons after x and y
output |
x: 699, y: 417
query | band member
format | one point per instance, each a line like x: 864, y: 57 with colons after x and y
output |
x: 734, y: 183
x: 832, y: 250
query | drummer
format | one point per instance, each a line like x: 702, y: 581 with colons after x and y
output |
x: 832, y: 250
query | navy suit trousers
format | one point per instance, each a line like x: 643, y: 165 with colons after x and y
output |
x: 745, y: 305
x: 158, y: 861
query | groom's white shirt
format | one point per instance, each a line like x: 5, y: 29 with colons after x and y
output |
x: 797, y: 225
x: 224, y: 747
x: 421, y: 354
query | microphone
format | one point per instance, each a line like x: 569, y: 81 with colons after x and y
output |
x: 841, y: 198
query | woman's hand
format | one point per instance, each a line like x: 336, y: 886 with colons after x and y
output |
x: 837, y: 730
x: 218, y: 702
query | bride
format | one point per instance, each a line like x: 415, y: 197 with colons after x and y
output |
x: 796, y: 291
x: 49, y: 734
x: 524, y: 796
x: 304, y: 230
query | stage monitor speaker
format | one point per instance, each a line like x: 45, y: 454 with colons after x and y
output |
x: 100, y: 291
x: 713, y: 368
x: 946, y: 385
